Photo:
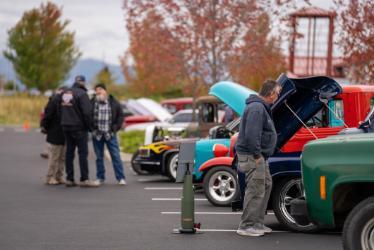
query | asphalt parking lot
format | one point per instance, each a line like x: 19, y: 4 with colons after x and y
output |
x: 141, y: 215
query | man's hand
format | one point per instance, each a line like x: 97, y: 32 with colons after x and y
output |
x: 43, y: 130
x: 258, y: 160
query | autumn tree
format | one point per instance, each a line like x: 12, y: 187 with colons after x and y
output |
x: 356, y: 21
x: 206, y: 32
x: 209, y: 35
x: 259, y: 57
x: 156, y: 66
x: 40, y: 48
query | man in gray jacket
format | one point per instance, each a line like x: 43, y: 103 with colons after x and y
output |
x: 256, y: 142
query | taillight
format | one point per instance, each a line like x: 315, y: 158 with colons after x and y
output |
x: 220, y: 150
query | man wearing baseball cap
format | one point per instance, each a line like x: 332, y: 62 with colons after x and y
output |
x: 76, y: 116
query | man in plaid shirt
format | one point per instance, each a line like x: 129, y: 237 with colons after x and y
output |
x: 107, y: 120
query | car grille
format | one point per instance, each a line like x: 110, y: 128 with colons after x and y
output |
x: 144, y: 153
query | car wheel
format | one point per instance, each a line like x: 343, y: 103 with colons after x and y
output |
x: 284, y: 192
x: 221, y: 186
x: 358, y: 230
x: 172, y: 165
x: 136, y: 167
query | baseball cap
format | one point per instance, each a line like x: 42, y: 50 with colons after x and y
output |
x: 80, y: 78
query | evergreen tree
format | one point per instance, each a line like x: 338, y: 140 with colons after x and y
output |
x: 40, y: 48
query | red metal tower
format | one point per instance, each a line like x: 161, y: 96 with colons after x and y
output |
x: 311, y: 45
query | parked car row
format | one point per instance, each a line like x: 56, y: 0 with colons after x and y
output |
x: 308, y: 109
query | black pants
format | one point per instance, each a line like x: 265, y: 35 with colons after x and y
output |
x: 76, y: 139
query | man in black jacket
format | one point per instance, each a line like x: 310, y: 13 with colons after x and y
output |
x: 107, y: 120
x: 256, y: 142
x: 51, y: 124
x: 76, y: 122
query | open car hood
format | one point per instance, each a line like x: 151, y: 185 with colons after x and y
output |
x: 232, y: 94
x: 303, y: 95
x: 305, y: 101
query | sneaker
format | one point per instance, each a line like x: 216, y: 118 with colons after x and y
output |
x: 122, y: 182
x: 60, y: 181
x: 52, y: 181
x: 70, y: 183
x: 264, y: 228
x: 250, y: 231
x: 88, y: 183
x: 98, y: 182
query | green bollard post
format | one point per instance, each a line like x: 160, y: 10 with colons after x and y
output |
x: 188, y: 206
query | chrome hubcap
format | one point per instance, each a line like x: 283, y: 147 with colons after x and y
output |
x: 173, y: 166
x: 367, y: 235
x: 292, y: 190
x: 222, y: 186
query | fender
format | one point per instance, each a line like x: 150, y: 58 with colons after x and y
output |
x: 165, y: 156
x: 219, y: 161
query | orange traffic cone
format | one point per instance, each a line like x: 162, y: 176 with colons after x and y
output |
x: 26, y: 126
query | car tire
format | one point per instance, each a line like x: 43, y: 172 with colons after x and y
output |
x: 136, y: 167
x: 358, y: 230
x: 284, y: 191
x: 221, y: 186
x: 171, y: 166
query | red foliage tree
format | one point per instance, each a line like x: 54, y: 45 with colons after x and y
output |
x: 207, y: 41
x: 356, y: 19
x: 260, y: 56
x: 152, y: 50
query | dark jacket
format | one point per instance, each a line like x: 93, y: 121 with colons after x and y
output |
x: 76, y: 110
x: 117, y: 113
x: 51, y: 121
x: 257, y: 134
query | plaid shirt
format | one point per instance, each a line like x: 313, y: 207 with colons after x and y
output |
x: 102, y: 120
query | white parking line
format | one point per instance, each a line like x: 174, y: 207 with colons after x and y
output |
x: 163, y: 188
x: 210, y: 213
x: 150, y: 180
x: 234, y: 230
x: 176, y: 199
x: 206, y: 213
x: 19, y: 130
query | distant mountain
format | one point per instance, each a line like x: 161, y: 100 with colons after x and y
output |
x: 87, y: 67
x: 90, y: 67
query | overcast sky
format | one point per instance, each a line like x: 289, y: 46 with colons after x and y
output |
x: 99, y: 24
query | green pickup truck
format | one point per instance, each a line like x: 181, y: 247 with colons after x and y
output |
x: 338, y: 179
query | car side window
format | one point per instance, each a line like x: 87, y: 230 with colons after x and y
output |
x: 187, y: 117
x: 318, y: 120
x: 371, y: 103
x: 336, y: 118
x: 333, y: 116
x: 208, y: 112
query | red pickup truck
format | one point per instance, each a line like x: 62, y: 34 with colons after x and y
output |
x: 351, y: 107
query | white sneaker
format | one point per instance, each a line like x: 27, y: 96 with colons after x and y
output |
x: 250, y: 231
x: 122, y: 182
x: 88, y: 183
x: 264, y: 228
x: 98, y: 182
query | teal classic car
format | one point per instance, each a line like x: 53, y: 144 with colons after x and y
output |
x: 338, y: 179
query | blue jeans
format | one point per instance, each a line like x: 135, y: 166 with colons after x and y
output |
x: 113, y: 148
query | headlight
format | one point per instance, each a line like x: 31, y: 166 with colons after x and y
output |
x: 144, y: 152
